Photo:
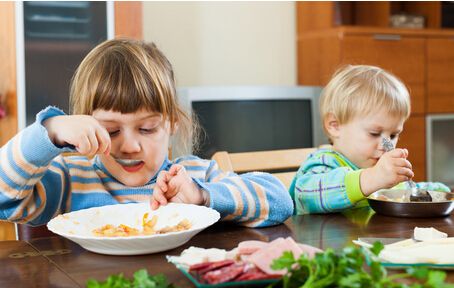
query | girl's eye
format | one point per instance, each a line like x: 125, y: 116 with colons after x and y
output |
x: 114, y: 133
x: 147, y: 131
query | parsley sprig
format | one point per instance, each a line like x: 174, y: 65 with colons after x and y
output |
x: 141, y: 279
x: 347, y: 269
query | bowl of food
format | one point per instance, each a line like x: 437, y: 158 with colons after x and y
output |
x: 133, y: 229
x: 396, y: 202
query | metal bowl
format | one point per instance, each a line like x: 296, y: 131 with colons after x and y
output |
x: 395, y: 202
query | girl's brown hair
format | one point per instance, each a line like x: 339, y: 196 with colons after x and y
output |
x: 125, y: 75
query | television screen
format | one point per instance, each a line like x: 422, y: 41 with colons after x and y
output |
x: 253, y: 125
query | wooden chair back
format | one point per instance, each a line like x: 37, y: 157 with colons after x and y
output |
x: 285, y: 162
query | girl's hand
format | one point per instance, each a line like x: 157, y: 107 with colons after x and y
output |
x: 391, y: 169
x: 175, y: 185
x: 82, y: 131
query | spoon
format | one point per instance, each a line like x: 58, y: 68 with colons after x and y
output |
x: 126, y: 162
x: 416, y: 194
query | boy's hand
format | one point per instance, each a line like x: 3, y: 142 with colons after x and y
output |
x: 82, y: 131
x: 175, y: 185
x: 391, y: 169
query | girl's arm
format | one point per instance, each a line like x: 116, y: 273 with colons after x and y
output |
x: 253, y: 199
x: 32, y: 183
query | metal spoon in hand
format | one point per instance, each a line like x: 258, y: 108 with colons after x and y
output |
x: 417, y: 194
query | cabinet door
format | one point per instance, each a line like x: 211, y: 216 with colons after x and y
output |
x: 403, y: 56
x: 440, y: 76
x: 8, y: 124
x: 413, y: 138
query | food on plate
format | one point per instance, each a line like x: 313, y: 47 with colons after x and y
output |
x: 251, y: 260
x: 122, y: 230
x: 428, y: 246
x: 424, y: 234
x: 346, y: 268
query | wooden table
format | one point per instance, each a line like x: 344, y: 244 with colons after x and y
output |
x: 57, y: 262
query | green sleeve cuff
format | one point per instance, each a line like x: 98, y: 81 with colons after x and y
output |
x: 353, y: 187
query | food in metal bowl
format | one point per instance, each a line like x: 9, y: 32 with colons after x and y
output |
x: 396, y: 202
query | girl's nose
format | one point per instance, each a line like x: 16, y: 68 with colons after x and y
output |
x: 130, y: 145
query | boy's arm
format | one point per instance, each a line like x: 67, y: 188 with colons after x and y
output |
x: 31, y: 184
x: 322, y: 186
x: 253, y: 199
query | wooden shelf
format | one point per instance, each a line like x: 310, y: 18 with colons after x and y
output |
x: 331, y: 14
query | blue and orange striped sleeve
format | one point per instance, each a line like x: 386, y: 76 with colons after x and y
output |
x: 32, y: 180
x: 253, y: 199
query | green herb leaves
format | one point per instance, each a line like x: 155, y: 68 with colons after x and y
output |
x: 347, y: 269
x: 141, y: 280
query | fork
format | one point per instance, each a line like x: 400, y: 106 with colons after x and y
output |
x: 416, y: 194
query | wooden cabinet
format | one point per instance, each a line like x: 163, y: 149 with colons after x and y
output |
x: 413, y: 138
x: 440, y: 75
x: 128, y: 23
x: 389, y: 51
x: 332, y: 34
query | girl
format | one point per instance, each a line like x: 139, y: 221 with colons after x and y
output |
x: 124, y: 112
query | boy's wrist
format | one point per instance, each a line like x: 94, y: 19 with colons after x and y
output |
x: 367, y: 182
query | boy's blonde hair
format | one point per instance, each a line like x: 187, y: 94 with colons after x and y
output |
x: 125, y: 75
x: 357, y: 90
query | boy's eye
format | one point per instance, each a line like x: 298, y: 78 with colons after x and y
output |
x: 114, y: 133
x: 375, y: 134
x: 393, y: 136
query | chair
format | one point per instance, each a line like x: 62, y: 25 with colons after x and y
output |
x: 281, y: 163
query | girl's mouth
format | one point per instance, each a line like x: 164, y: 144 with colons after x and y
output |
x: 134, y: 167
x: 128, y: 162
x: 130, y: 165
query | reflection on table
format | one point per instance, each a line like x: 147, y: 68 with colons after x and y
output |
x: 57, y: 262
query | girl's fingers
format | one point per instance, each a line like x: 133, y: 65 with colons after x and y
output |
x: 153, y: 203
x: 84, y: 145
x: 162, y: 181
x: 159, y: 196
x: 104, y: 141
x: 94, y: 145
x: 176, y: 169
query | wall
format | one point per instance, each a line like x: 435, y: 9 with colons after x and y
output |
x: 225, y: 43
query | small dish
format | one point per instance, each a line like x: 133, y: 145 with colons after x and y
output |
x: 78, y: 226
x: 249, y: 283
x: 396, y: 203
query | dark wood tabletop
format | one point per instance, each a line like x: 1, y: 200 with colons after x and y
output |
x: 57, y: 262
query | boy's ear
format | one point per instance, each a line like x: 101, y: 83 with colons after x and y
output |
x: 331, y: 125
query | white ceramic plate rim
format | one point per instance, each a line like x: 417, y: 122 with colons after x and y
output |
x: 50, y: 225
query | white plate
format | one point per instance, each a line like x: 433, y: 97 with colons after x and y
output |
x: 78, y: 226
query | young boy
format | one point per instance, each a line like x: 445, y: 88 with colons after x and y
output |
x: 360, y: 106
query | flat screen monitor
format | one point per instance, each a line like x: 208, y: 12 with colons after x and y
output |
x: 243, y: 119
